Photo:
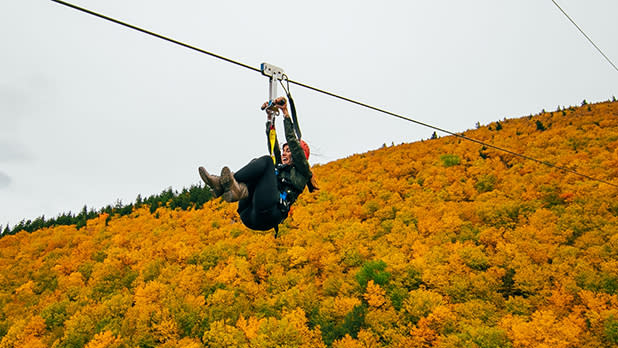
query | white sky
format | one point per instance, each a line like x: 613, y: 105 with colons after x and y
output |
x: 92, y: 112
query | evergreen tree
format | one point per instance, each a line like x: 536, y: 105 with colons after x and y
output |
x: 82, y: 218
x: 138, y: 200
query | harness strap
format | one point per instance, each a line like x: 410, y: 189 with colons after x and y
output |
x: 294, y: 116
x: 289, y: 94
x: 272, y: 137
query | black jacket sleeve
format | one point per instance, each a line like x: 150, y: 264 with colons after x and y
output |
x: 298, y: 155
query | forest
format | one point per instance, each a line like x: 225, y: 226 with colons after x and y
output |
x: 437, y: 243
x: 194, y: 196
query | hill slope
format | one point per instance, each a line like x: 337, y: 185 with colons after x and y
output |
x: 438, y: 243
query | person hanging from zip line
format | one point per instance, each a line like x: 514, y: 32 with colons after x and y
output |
x: 266, y: 187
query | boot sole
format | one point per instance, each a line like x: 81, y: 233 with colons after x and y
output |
x: 226, y: 179
x: 206, y: 179
x: 226, y: 183
x: 204, y: 175
x: 232, y: 194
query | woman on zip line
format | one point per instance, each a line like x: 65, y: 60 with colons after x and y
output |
x: 266, y: 189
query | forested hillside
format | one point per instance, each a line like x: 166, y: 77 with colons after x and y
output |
x: 438, y: 243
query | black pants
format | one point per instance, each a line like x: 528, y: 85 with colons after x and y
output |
x: 259, y: 211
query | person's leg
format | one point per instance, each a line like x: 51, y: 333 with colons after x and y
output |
x: 260, y: 211
x: 266, y: 192
x: 262, y: 221
x: 253, y: 171
x: 241, y: 185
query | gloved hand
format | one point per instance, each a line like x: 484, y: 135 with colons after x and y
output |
x: 282, y: 104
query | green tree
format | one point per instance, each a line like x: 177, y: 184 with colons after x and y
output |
x: 373, y: 270
x: 450, y: 160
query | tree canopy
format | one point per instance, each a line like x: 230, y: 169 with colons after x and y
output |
x: 438, y: 243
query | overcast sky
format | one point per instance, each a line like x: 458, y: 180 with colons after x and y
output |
x: 92, y: 112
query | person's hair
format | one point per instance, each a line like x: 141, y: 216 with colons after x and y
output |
x: 312, y: 184
x: 304, y: 146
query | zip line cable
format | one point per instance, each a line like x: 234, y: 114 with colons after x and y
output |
x: 565, y: 169
x: 581, y: 31
x: 156, y: 35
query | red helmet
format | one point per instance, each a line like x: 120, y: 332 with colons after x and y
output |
x: 305, y: 147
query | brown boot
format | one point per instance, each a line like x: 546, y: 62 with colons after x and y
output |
x: 213, y: 181
x: 233, y: 191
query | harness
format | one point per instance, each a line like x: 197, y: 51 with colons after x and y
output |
x: 287, y: 192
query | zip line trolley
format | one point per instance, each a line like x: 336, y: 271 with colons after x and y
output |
x: 276, y: 75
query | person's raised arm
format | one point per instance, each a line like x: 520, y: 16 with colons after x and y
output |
x: 298, y: 154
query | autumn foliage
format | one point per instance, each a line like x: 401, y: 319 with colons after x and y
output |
x: 438, y: 243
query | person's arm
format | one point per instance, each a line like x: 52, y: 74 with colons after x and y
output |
x: 298, y: 154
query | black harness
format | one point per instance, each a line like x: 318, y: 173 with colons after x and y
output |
x: 287, y: 192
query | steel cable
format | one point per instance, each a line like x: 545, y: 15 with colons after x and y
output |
x: 586, y: 36
x: 565, y: 169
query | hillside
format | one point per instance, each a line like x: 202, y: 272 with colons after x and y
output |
x: 439, y: 243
